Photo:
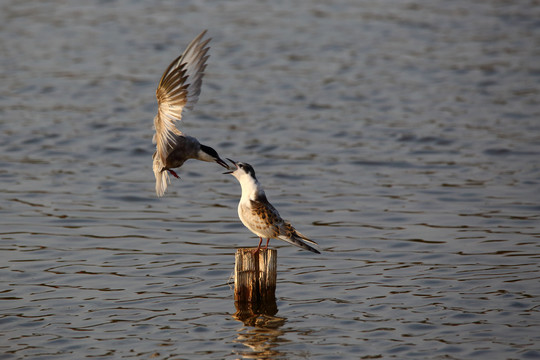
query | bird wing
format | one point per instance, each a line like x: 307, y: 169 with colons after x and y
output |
x: 267, y: 215
x: 289, y: 234
x: 162, y: 177
x: 179, y: 88
x: 297, y: 242
x: 265, y: 218
x: 290, y: 229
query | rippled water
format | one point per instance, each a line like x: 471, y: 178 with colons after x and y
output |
x: 404, y: 137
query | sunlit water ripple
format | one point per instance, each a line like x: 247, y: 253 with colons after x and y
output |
x: 404, y: 138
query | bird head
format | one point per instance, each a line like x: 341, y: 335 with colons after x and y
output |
x: 206, y: 153
x: 241, y: 170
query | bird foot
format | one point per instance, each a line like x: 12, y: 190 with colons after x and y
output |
x: 258, y: 246
x: 173, y: 173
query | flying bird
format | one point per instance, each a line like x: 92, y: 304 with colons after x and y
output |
x: 179, y: 89
x: 259, y: 216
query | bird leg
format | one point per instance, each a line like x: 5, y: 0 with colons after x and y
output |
x: 173, y: 173
x: 267, y: 241
x: 258, y: 247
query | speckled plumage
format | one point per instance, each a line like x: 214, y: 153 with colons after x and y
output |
x: 259, y: 216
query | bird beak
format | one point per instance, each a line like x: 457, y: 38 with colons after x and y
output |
x: 222, y: 163
x: 231, y: 171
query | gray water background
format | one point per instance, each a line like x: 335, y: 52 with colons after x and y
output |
x: 403, y: 136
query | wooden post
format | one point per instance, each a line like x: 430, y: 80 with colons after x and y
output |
x: 255, y: 280
x: 255, y: 285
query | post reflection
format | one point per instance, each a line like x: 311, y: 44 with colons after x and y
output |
x: 261, y: 331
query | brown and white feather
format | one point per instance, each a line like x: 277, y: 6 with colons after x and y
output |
x: 259, y: 216
x: 289, y: 231
x: 179, y: 88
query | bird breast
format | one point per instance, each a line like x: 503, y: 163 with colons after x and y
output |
x: 259, y: 220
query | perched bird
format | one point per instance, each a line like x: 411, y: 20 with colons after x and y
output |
x: 179, y: 88
x: 259, y: 216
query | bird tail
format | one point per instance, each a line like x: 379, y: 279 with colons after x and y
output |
x: 294, y: 237
x: 298, y: 233
x: 162, y: 177
x: 297, y: 242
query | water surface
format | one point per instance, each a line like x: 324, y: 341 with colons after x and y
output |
x: 403, y: 137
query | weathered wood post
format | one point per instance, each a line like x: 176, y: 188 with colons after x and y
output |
x: 255, y: 277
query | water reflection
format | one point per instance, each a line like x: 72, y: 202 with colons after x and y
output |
x: 261, y: 331
x: 415, y: 163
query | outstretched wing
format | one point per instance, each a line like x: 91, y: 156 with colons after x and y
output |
x: 179, y: 88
